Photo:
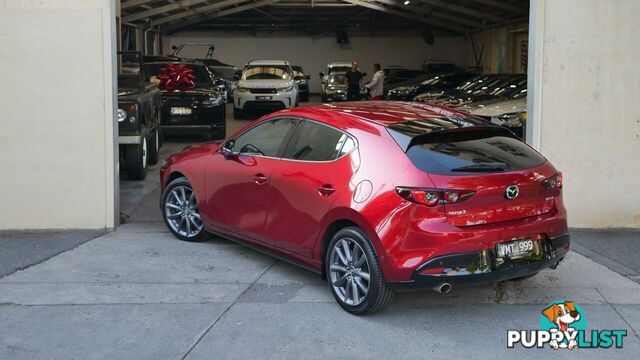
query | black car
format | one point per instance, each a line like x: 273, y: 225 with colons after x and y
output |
x: 191, y: 104
x: 399, y: 76
x: 496, y: 86
x: 302, y: 80
x: 138, y: 117
x: 228, y: 75
x: 427, y: 83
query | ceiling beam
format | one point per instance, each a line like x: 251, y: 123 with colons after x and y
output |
x: 185, y: 4
x: 407, y: 15
x: 430, y: 12
x: 505, y: 6
x: 197, y: 11
x: 133, y: 3
x: 217, y: 14
x: 464, y: 10
x: 335, y: 26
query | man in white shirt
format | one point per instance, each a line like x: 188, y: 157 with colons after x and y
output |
x: 376, y: 86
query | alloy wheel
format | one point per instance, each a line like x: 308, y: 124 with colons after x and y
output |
x: 181, y: 210
x: 349, y: 272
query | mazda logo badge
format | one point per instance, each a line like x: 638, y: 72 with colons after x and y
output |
x: 511, y: 192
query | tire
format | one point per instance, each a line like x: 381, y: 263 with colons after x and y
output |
x: 154, y: 147
x: 323, y: 99
x: 351, y: 275
x: 238, y: 113
x: 184, y: 226
x: 136, y: 160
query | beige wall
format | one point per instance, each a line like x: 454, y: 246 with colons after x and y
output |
x: 313, y: 55
x: 487, y: 41
x: 56, y: 141
x: 586, y: 85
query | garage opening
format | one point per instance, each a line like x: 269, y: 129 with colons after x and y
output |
x: 471, y: 55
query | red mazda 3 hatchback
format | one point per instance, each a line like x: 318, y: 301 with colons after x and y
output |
x: 375, y: 196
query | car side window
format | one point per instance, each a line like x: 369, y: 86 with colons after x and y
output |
x: 315, y: 142
x: 265, y: 139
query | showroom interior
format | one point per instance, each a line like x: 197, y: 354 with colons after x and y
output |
x: 68, y: 184
x: 487, y: 36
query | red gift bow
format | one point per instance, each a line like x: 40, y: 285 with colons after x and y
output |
x: 176, y: 77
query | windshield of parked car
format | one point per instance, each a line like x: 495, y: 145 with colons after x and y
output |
x: 336, y: 78
x: 338, y: 68
x: 129, y: 64
x: 226, y: 73
x: 297, y: 71
x: 202, y: 75
x: 267, y: 72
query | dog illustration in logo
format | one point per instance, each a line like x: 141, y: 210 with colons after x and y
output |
x: 562, y: 315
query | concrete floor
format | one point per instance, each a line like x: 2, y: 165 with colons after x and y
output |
x: 138, y: 293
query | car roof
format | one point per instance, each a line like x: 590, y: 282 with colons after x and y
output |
x: 268, y: 62
x: 384, y: 113
x: 187, y: 62
x: 338, y: 64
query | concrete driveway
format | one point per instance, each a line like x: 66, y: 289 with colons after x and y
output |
x: 140, y: 294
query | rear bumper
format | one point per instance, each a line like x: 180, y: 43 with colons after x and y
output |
x: 214, y: 129
x: 267, y: 101
x: 478, y: 268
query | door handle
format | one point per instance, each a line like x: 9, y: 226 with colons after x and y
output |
x: 325, y: 190
x: 260, y: 179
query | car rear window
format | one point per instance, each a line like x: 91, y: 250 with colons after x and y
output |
x: 465, y: 150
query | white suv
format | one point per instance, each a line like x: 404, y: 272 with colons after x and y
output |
x: 265, y: 85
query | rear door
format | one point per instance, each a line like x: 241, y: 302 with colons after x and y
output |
x: 313, y: 174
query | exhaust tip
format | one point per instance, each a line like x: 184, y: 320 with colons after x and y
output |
x: 443, y: 288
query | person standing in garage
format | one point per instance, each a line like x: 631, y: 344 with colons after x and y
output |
x: 353, y: 80
x: 376, y: 86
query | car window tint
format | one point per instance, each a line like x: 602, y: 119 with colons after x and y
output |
x: 317, y: 142
x: 264, y: 139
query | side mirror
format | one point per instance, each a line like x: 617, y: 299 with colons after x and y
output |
x: 321, y: 75
x: 308, y: 77
x: 226, y: 151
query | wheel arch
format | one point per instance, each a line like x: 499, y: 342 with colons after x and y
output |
x: 337, y: 220
x: 175, y: 175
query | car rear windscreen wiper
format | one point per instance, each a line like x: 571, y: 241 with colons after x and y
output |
x: 483, y: 167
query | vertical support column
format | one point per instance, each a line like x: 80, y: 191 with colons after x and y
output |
x: 534, y: 72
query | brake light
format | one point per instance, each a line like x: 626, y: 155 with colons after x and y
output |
x: 554, y: 182
x: 433, y: 197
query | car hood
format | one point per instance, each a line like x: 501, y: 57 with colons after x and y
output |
x: 193, y: 91
x: 126, y: 91
x: 495, y: 108
x: 265, y: 84
x: 336, y: 86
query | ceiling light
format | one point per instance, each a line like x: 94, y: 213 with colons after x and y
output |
x: 407, y: 2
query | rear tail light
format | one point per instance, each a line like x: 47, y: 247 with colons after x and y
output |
x: 554, y: 182
x: 433, y: 197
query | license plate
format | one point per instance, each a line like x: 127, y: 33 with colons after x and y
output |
x: 514, y: 248
x: 180, y: 111
x: 264, y: 97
